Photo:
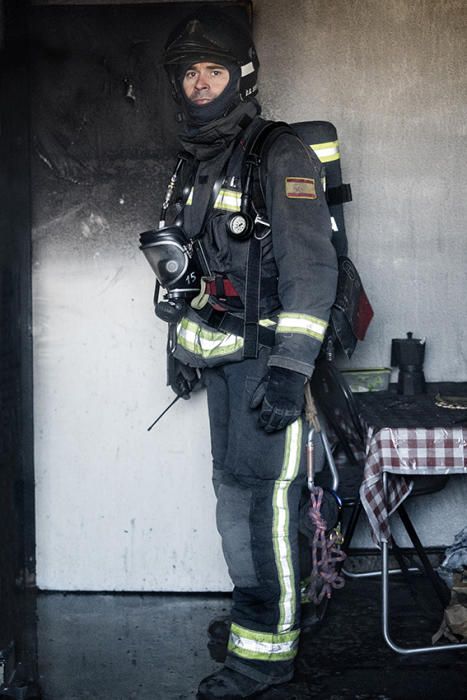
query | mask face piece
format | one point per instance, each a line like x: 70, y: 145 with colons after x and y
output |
x: 173, y: 261
x: 168, y: 261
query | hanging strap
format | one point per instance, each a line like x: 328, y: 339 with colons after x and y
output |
x: 338, y: 195
x: 181, y: 159
x: 216, y: 188
x: 252, y: 298
x: 256, y: 150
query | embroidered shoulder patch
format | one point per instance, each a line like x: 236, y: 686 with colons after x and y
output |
x: 300, y: 188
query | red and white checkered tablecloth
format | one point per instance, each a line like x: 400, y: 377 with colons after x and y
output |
x: 403, y: 453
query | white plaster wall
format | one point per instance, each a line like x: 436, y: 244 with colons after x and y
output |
x: 122, y: 509
x: 118, y: 508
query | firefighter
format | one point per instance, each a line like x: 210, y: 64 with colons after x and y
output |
x: 254, y: 330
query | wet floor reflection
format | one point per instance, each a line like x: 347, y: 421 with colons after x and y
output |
x: 153, y: 647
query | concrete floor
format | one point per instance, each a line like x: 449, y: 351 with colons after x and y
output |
x: 153, y: 647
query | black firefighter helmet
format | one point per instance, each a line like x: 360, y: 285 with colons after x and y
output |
x: 208, y: 35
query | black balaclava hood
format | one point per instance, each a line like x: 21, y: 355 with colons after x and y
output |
x: 214, y: 137
x: 221, y: 106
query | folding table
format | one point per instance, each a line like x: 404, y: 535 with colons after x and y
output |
x: 407, y: 437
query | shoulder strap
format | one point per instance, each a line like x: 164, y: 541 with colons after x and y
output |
x: 266, y: 134
x: 256, y: 149
x: 256, y: 152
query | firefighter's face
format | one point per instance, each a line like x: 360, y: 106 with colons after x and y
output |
x: 205, y: 81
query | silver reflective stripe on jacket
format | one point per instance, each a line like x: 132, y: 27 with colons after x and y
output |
x: 301, y: 323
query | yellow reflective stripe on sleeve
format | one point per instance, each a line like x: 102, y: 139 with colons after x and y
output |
x: 189, y: 201
x: 327, y: 151
x: 228, y: 199
x: 263, y: 646
x: 301, y: 323
x: 280, y: 527
x: 205, y: 343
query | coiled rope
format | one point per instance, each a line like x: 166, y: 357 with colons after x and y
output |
x: 326, y: 551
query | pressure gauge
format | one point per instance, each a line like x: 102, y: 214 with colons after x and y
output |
x: 239, y: 226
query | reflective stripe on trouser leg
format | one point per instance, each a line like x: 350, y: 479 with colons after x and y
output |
x: 291, y: 464
x: 263, y: 646
x: 282, y: 644
x: 259, y: 481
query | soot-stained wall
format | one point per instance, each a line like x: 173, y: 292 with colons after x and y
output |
x: 120, y: 508
x: 117, y: 507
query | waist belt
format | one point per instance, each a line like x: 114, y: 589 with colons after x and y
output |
x: 228, y: 323
x: 221, y: 287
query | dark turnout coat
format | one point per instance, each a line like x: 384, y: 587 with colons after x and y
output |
x: 298, y: 268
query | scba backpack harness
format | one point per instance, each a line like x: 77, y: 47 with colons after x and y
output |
x: 351, y: 312
x: 181, y: 266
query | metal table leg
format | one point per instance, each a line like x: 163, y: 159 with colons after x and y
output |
x: 385, y: 608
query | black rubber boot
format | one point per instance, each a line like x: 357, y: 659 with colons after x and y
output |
x: 218, y: 637
x: 227, y: 684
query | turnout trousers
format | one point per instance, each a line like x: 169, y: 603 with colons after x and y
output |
x: 259, y: 479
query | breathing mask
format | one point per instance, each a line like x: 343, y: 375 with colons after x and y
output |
x: 175, y: 260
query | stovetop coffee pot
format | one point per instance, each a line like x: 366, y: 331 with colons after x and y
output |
x: 408, y: 354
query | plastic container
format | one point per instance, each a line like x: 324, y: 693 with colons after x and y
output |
x: 371, y: 379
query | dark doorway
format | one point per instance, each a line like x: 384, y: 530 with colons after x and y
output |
x: 85, y: 114
x: 17, y: 632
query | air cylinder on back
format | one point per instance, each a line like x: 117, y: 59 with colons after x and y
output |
x: 322, y: 138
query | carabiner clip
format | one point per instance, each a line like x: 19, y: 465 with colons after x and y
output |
x: 309, y: 460
x: 266, y: 226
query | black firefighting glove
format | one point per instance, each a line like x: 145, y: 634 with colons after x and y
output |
x: 281, y: 397
x: 181, y: 378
